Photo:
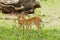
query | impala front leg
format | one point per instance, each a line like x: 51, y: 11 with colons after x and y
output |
x: 20, y: 27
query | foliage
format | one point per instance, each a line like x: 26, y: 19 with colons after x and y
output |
x: 9, y: 30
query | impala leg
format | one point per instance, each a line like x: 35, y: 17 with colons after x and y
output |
x: 27, y: 27
x: 38, y: 28
x: 20, y: 27
x: 27, y: 31
x: 37, y: 25
x: 30, y: 32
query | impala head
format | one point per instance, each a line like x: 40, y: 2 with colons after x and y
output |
x: 21, y: 16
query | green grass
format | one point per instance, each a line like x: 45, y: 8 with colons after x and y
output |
x: 9, y: 29
x: 50, y: 34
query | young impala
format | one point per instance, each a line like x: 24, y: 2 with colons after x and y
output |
x: 34, y: 20
x: 21, y: 21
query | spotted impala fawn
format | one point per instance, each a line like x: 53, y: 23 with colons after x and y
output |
x: 33, y: 20
x: 21, y: 21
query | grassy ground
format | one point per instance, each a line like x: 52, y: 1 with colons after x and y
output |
x: 9, y: 29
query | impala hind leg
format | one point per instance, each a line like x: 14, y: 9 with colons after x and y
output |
x: 38, y: 28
